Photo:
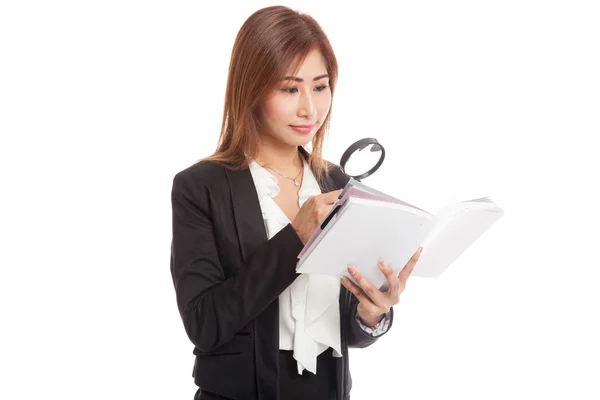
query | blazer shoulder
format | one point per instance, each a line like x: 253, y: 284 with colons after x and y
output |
x: 336, y: 173
x: 199, y: 182
x: 203, y: 173
x: 333, y: 167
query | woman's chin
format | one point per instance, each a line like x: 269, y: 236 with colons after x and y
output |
x: 295, y: 139
x: 301, y: 140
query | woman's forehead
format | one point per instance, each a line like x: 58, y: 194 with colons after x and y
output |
x: 313, y: 65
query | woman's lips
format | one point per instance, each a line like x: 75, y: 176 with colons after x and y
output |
x: 303, y: 128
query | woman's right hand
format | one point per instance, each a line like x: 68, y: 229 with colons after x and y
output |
x: 312, y: 214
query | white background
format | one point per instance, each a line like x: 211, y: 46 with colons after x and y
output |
x: 101, y: 103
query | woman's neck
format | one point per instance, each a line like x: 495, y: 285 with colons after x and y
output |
x: 281, y: 158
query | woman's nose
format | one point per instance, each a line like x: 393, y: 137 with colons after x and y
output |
x: 307, y: 107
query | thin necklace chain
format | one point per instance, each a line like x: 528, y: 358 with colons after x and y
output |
x: 291, y: 179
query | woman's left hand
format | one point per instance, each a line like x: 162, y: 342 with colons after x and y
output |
x: 373, y: 303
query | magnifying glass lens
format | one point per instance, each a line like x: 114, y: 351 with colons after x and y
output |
x: 362, y: 161
x: 362, y: 158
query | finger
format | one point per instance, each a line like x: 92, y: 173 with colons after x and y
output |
x: 331, y: 197
x: 390, y: 276
x: 323, y: 211
x: 324, y: 208
x: 355, y: 290
x: 410, y: 265
x: 376, y: 296
x: 365, y: 305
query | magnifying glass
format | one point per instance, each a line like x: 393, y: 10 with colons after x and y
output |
x: 362, y: 158
x: 359, y: 161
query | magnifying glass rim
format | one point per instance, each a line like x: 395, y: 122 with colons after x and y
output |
x: 359, y: 145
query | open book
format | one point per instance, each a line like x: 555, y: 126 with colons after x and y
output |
x: 365, y: 226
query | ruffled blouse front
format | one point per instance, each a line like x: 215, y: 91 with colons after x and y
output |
x: 309, y: 318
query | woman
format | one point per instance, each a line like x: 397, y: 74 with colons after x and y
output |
x: 242, y: 215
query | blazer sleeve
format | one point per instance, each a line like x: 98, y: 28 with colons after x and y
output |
x: 212, y: 307
x: 358, y: 337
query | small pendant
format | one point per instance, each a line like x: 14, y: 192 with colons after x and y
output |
x: 296, y: 183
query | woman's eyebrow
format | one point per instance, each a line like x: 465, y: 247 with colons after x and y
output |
x: 295, y: 78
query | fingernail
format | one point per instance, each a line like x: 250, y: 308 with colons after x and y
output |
x: 381, y: 264
x: 352, y: 270
x: 420, y: 250
x: 343, y: 279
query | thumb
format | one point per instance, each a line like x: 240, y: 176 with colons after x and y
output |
x: 331, y: 197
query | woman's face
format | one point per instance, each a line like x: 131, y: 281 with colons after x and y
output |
x: 303, y: 99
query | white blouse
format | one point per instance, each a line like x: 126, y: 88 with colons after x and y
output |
x: 309, y: 316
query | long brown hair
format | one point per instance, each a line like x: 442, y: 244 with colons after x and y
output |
x: 264, y: 49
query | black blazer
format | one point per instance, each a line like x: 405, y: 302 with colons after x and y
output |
x: 228, y: 277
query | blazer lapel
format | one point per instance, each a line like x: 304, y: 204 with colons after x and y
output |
x: 247, y: 213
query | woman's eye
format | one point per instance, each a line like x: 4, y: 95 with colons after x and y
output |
x: 319, y: 88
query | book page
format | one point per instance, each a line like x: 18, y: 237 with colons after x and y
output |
x: 457, y: 230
